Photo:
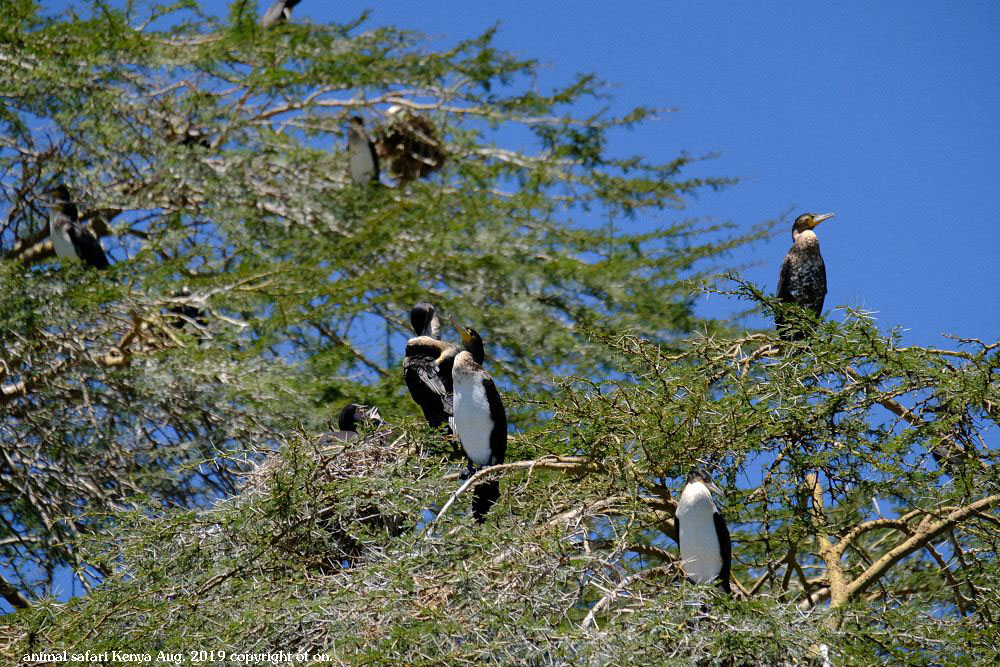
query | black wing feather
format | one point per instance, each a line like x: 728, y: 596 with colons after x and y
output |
x: 498, y: 436
x: 725, y: 549
x: 784, y: 278
x: 428, y: 390
x: 371, y: 147
x: 784, y: 293
x: 822, y: 295
x: 87, y: 246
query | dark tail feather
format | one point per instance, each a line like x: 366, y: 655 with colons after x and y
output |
x: 484, y: 496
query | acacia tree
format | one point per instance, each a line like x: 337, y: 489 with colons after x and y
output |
x: 861, y: 481
x: 254, y: 289
x: 849, y: 541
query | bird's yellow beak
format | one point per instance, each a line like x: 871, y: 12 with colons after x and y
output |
x: 462, y: 331
x: 820, y: 218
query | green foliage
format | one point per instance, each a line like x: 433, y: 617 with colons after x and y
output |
x: 861, y: 484
x: 346, y: 549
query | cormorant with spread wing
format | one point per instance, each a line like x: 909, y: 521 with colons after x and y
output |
x: 427, y: 366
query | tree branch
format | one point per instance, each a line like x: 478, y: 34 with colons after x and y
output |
x: 921, y: 536
x: 827, y: 550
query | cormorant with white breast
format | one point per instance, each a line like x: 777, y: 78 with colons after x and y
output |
x: 72, y: 239
x: 361, y: 156
x: 427, y: 366
x: 351, y: 416
x: 279, y: 12
x: 706, y: 550
x: 481, y: 426
x: 802, y: 279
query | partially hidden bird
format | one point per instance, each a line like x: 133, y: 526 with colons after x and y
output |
x: 71, y: 238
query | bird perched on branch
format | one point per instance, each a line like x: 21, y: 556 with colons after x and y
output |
x: 361, y: 156
x: 71, y: 238
x: 802, y: 279
x: 481, y: 426
x: 411, y: 144
x: 702, y: 534
x: 427, y: 365
x: 279, y: 12
x: 351, y: 416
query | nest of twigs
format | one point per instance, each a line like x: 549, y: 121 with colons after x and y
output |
x: 410, y: 143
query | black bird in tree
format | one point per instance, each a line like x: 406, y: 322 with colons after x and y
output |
x: 427, y: 365
x: 71, y: 238
x: 351, y: 416
x: 362, y: 159
x: 802, y: 279
x: 279, y: 12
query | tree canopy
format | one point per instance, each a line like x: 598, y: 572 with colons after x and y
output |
x: 255, y: 289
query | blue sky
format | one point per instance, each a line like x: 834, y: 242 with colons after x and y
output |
x: 887, y: 114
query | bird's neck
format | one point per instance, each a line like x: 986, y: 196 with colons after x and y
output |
x: 477, y: 351
x: 433, y: 328
x: 697, y: 494
x: 805, y: 238
x: 69, y: 210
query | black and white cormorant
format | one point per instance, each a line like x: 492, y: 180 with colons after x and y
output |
x: 481, y: 426
x: 471, y: 341
x: 361, y: 156
x: 72, y: 239
x: 279, y: 12
x: 351, y: 416
x: 706, y: 550
x: 802, y: 279
x: 427, y: 366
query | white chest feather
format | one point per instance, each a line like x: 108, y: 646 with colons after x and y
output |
x: 360, y: 161
x: 699, y: 543
x: 61, y: 241
x: 472, y: 418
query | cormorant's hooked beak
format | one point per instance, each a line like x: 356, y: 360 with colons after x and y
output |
x: 820, y: 218
x: 462, y: 331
